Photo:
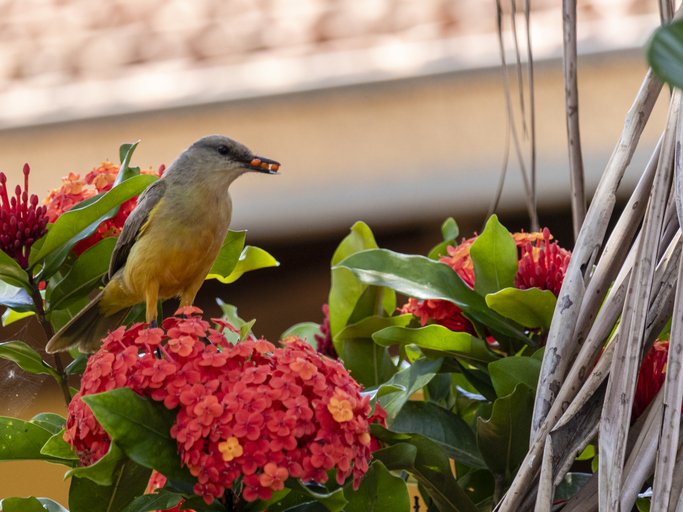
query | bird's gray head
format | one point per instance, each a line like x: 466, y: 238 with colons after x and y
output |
x: 221, y: 157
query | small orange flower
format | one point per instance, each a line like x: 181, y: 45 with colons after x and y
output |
x: 230, y: 449
x: 340, y: 408
x: 305, y: 369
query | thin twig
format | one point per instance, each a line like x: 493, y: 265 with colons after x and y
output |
x: 499, y: 191
x: 520, y: 80
x: 533, y: 216
x: 532, y: 99
x: 571, y: 95
x: 49, y: 332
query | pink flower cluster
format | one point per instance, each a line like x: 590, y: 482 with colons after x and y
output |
x: 249, y: 410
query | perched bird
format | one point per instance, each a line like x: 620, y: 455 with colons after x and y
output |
x: 169, y: 242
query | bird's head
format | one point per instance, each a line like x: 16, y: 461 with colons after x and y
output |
x: 221, y: 158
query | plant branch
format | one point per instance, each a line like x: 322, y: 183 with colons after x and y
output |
x: 49, y: 332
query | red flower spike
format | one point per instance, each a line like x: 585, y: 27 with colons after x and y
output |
x: 651, y: 378
x: 22, y: 222
x: 263, y: 414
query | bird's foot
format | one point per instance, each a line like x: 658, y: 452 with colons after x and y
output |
x: 153, y: 324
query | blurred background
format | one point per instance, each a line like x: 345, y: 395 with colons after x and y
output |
x: 386, y: 111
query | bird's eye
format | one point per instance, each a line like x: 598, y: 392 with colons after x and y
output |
x: 223, y: 150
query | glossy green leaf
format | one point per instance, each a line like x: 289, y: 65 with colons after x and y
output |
x: 51, y: 422
x: 503, y: 440
x: 334, y: 501
x: 531, y: 308
x: 294, y: 502
x: 78, y: 365
x: 379, y: 491
x: 15, y: 298
x: 85, y: 275
x: 30, y: 504
x: 480, y: 380
x: 494, y: 256
x: 369, y: 363
x: 125, y: 155
x: 22, y: 440
x: 345, y: 290
x: 665, y: 53
x: 57, y: 448
x: 367, y: 327
x: 409, y: 381
x: 79, y: 218
x: 506, y: 373
x: 422, y: 278
x: 60, y: 317
x: 374, y: 301
x: 230, y: 315
x: 12, y: 273
x: 160, y: 500
x: 27, y: 358
x: 104, y: 470
x: 10, y: 316
x: 268, y: 506
x: 130, y: 481
x: 460, y: 345
x: 252, y: 258
x: 446, y: 429
x: 479, y: 485
x: 228, y: 256
x: 198, y: 504
x: 449, y: 229
x: 428, y: 463
x: 305, y: 330
x: 141, y: 428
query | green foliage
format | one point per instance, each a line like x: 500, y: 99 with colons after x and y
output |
x: 28, y: 359
x: 494, y: 255
x: 531, y: 308
x: 449, y: 231
x: 665, y: 53
x: 379, y: 491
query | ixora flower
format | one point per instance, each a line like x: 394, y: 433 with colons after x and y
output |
x: 541, y: 265
x: 22, y: 221
x: 74, y: 190
x: 249, y: 415
x: 651, y: 377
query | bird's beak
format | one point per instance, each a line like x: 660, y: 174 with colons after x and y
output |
x: 261, y: 164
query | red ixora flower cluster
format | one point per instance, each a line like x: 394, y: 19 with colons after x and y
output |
x: 650, y: 378
x: 74, y: 190
x: 22, y: 221
x: 542, y: 266
x: 247, y: 411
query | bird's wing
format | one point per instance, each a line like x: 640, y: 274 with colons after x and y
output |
x: 134, y: 223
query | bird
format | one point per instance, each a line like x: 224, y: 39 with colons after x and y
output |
x: 169, y: 242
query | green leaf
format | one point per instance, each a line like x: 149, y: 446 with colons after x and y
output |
x: 503, y: 440
x: 531, y: 308
x: 422, y: 278
x: 334, y: 501
x: 28, y: 359
x: 22, y: 440
x: 57, y: 448
x: 15, y: 298
x: 160, y: 500
x: 252, y: 258
x: 409, y: 381
x: 506, y: 373
x: 130, y: 480
x: 665, y: 53
x: 367, y: 327
x: 228, y: 256
x: 440, y: 339
x: 85, y: 275
x: 141, y: 428
x: 12, y: 273
x: 379, y: 491
x: 428, y: 463
x: 125, y: 154
x: 449, y: 231
x: 10, y: 316
x: 305, y: 330
x: 570, y: 485
x: 494, y: 256
x: 30, y: 504
x: 261, y: 506
x: 230, y: 315
x: 71, y: 223
x: 78, y: 365
x: 103, y: 471
x: 374, y: 301
x: 345, y: 290
x: 51, y: 422
x: 446, y: 429
x: 60, y: 317
x: 370, y: 364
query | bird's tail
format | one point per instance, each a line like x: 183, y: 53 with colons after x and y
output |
x: 87, y: 329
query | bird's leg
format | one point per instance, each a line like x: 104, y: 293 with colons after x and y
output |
x: 151, y: 296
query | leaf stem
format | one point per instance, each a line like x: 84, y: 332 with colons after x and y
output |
x: 49, y: 332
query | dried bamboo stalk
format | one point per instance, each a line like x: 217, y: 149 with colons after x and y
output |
x: 627, y: 357
x: 673, y: 384
x: 546, y: 489
x: 560, y: 342
x: 571, y: 98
